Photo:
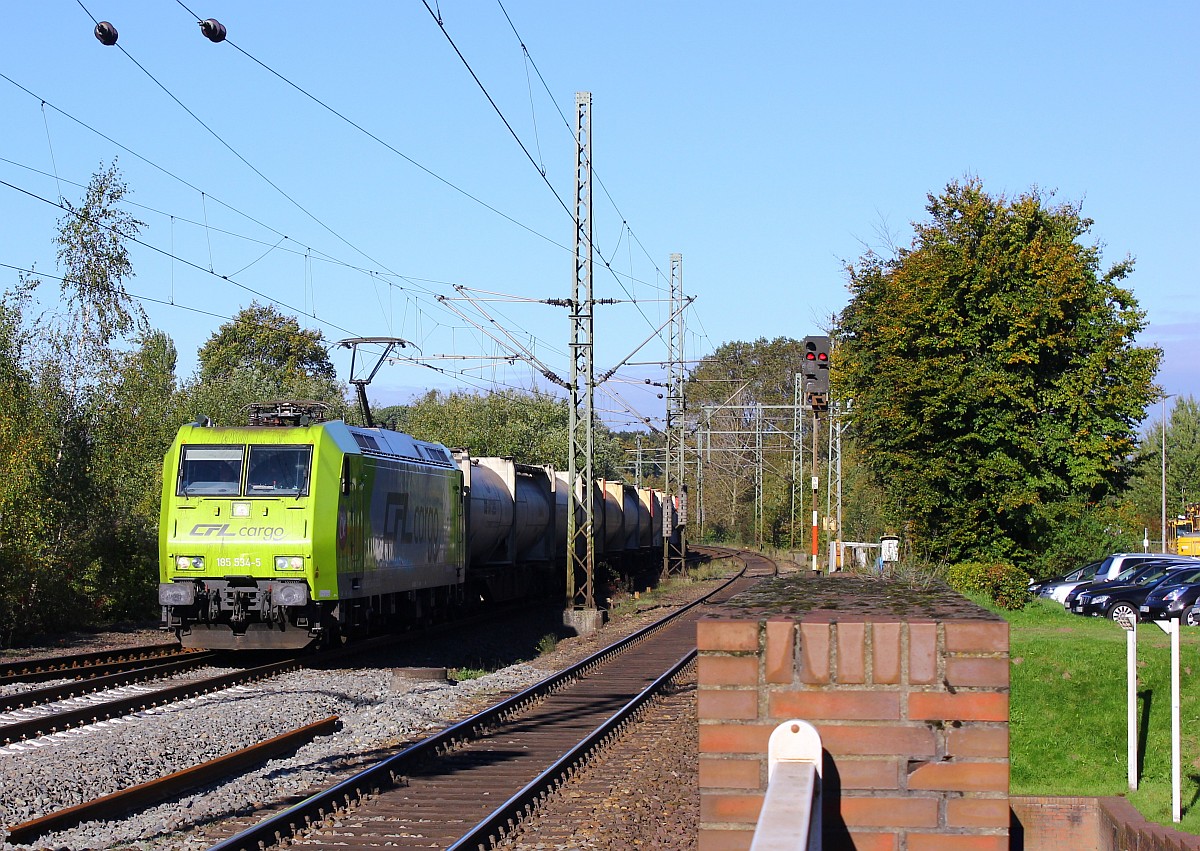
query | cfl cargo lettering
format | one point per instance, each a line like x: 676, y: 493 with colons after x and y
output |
x: 223, y: 530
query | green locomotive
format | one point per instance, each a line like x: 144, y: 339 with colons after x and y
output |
x: 293, y: 529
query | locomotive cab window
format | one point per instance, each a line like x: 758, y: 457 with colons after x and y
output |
x: 210, y: 471
x: 278, y: 471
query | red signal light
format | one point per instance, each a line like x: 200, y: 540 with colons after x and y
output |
x: 822, y: 356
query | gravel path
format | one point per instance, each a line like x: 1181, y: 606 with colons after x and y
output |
x: 380, y: 710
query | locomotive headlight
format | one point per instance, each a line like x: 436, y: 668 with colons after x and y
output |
x: 289, y: 563
x: 241, y: 509
x: 190, y: 562
x: 176, y: 593
x: 290, y: 594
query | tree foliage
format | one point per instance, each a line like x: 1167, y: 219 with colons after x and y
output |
x: 996, y: 383
x: 94, y: 257
x: 259, y: 355
x: 1182, y: 470
x: 738, y: 398
x: 80, y: 432
x: 262, y: 337
x: 529, y: 427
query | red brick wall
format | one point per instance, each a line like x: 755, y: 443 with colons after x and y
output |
x: 913, y: 717
x: 1104, y: 824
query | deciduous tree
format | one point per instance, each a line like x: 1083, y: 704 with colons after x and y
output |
x: 995, y: 378
x: 261, y: 336
x: 530, y: 427
x: 1183, y: 466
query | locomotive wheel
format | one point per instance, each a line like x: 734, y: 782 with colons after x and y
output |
x: 331, y: 635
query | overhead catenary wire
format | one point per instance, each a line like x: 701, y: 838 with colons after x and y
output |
x: 388, y: 276
x: 457, y: 375
x: 567, y: 124
x: 234, y: 151
x: 445, y: 181
x: 437, y: 18
x: 592, y: 246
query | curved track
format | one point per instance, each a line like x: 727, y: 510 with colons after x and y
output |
x: 444, y: 791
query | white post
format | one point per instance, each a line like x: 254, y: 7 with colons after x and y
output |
x: 1171, y: 628
x: 1175, y: 808
x: 1131, y: 697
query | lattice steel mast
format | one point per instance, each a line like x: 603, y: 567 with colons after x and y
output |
x: 673, y: 555
x: 581, y: 550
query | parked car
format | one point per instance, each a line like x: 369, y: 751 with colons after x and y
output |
x: 1173, y: 596
x: 1057, y: 587
x: 1192, y: 617
x: 1112, y: 566
x: 1122, y: 596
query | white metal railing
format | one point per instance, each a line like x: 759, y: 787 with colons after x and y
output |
x: 791, y: 814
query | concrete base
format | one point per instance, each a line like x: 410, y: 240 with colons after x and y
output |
x: 583, y: 621
x: 402, y: 678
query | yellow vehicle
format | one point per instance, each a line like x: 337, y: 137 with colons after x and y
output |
x: 1186, y: 529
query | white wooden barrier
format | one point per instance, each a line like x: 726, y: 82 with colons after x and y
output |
x: 791, y: 813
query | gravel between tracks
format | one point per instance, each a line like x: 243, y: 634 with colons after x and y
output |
x: 642, y: 792
x: 379, y: 711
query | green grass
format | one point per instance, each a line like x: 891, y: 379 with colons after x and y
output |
x: 459, y: 675
x: 1068, y: 710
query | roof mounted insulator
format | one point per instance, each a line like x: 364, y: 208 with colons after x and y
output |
x: 213, y: 30
x: 106, y: 33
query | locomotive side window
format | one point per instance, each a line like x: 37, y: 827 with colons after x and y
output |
x: 210, y: 471
x: 278, y: 470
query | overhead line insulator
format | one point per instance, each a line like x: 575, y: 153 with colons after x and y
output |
x: 213, y: 30
x: 106, y: 33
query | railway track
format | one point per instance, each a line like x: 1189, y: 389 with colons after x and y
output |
x: 145, y: 794
x: 85, y: 665
x: 150, y: 669
x: 79, y: 709
x: 469, y: 785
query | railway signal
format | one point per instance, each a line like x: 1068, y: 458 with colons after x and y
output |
x: 816, y: 371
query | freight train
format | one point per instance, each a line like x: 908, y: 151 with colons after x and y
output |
x: 295, y: 530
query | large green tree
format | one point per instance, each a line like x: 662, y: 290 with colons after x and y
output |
x: 259, y: 355
x: 996, y: 383
x: 262, y: 336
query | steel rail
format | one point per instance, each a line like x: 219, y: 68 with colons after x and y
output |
x: 155, y: 791
x: 75, y: 688
x: 505, y: 819
x: 82, y: 664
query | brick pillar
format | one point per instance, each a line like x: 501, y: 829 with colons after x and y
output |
x: 912, y: 710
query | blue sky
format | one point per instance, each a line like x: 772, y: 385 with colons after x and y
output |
x: 768, y: 144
